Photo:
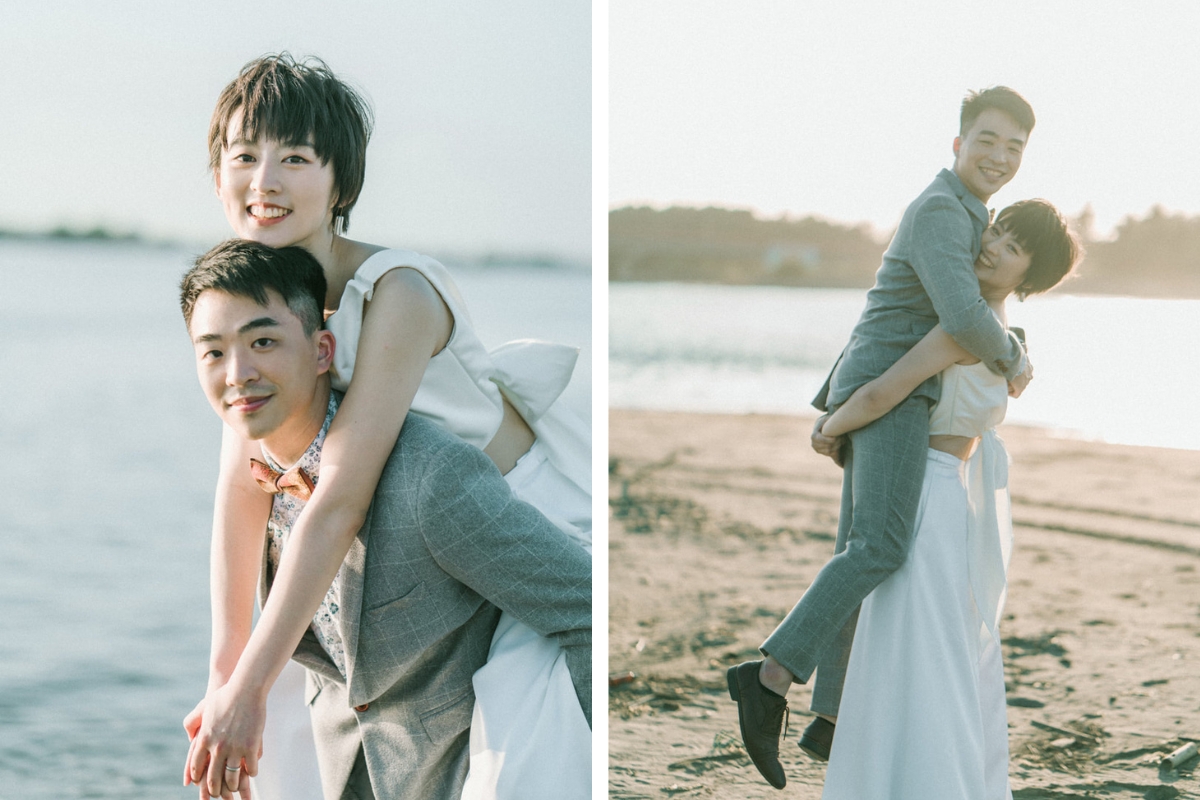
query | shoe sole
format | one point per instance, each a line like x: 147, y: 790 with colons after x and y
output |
x: 813, y: 754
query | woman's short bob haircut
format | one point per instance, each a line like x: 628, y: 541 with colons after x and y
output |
x: 1041, y: 230
x: 299, y: 102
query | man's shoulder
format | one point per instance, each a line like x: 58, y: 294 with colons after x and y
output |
x: 941, y: 193
x: 940, y: 206
x: 420, y: 432
x: 425, y: 450
x: 420, y: 448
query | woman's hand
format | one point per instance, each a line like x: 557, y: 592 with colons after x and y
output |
x: 826, y: 445
x: 226, y: 730
x: 1017, y: 385
x: 191, y: 724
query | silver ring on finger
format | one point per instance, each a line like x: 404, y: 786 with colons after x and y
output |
x: 238, y: 768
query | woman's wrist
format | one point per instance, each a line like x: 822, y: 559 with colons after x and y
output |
x: 224, y: 661
x: 219, y: 678
x: 249, y: 686
x: 829, y: 425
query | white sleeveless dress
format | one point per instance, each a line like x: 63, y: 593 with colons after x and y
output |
x: 529, y: 738
x: 922, y: 715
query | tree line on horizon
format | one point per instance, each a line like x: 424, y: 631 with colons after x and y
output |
x: 1157, y: 255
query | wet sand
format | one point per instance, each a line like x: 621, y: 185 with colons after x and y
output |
x: 719, y: 522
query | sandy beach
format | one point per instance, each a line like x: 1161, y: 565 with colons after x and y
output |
x: 719, y: 522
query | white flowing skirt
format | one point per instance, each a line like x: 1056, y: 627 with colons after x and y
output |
x: 922, y: 715
x: 529, y: 738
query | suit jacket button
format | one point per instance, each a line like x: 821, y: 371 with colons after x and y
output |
x: 362, y: 708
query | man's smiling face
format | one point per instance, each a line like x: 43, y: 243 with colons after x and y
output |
x: 259, y: 370
x: 989, y: 155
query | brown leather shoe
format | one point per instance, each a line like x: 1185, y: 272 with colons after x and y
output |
x: 761, y: 716
x: 817, y: 738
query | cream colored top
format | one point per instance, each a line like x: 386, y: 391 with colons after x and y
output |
x: 973, y: 400
x: 463, y: 384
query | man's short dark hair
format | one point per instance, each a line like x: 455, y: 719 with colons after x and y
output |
x: 248, y: 269
x: 1001, y: 98
x: 1042, y: 232
x: 298, y: 102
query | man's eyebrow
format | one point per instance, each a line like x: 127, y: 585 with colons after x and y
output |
x: 259, y: 322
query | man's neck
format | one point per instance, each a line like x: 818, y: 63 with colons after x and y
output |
x: 983, y: 200
x: 287, y: 444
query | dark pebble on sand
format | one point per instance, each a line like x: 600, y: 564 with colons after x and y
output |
x: 1025, y: 702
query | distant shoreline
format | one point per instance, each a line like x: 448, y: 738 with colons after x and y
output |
x: 73, y: 234
x: 1152, y: 256
x: 489, y: 260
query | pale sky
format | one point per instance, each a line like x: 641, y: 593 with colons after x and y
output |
x: 848, y: 110
x: 483, y: 115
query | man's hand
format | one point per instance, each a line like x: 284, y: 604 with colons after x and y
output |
x: 826, y: 445
x: 1018, y: 384
x: 226, y: 731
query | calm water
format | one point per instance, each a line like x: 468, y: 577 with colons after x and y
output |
x: 109, y: 459
x: 1118, y: 369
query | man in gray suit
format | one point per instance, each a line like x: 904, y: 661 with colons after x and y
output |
x: 927, y: 278
x: 445, y: 546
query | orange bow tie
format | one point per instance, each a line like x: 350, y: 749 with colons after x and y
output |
x: 294, y: 482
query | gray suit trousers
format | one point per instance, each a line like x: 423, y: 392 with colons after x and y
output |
x: 881, y: 489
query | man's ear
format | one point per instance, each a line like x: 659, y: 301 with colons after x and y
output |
x: 217, y: 181
x: 957, y: 145
x: 326, y: 347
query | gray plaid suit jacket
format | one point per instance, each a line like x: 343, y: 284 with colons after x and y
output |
x: 927, y: 276
x: 445, y: 546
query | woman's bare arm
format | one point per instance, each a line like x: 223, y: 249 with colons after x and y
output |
x: 872, y: 400
x: 238, y: 536
x: 239, y: 531
x: 407, y: 324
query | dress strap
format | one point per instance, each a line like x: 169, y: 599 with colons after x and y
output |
x: 371, y: 270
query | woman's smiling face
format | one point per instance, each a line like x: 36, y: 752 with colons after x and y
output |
x: 275, y: 193
x: 1002, y: 262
